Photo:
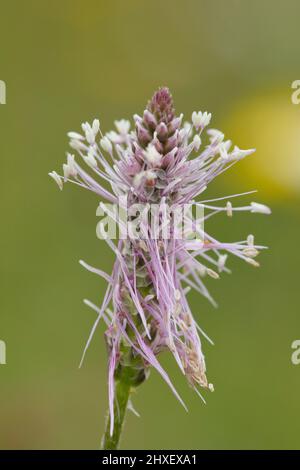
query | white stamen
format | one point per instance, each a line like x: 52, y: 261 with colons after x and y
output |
x: 213, y: 133
x: 96, y: 126
x: 251, y: 252
x: 150, y: 175
x: 221, y: 262
x: 201, y: 119
x: 223, y: 152
x: 250, y: 240
x: 152, y: 156
x: 252, y: 262
x: 91, y: 160
x: 106, y: 144
x: 217, y: 139
x: 122, y: 126
x: 229, y: 209
x: 227, y: 144
x: 260, y: 208
x: 75, y: 135
x: 196, y: 142
x: 201, y: 270
x: 212, y: 273
x: 113, y: 136
x: 57, y: 179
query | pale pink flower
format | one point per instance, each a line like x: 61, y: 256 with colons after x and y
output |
x: 145, y: 307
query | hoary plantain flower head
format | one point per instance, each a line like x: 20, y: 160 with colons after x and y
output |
x: 159, y: 159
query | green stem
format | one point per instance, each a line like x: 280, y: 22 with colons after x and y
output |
x: 122, y: 393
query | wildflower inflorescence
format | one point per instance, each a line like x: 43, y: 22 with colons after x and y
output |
x: 145, y: 306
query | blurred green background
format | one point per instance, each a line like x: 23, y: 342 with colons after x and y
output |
x: 68, y: 61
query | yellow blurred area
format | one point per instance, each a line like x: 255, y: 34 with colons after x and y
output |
x: 270, y: 122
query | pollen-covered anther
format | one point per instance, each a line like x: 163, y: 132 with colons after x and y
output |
x: 152, y: 156
x: 229, y: 209
x: 177, y: 309
x: 106, y: 144
x: 252, y: 262
x: 260, y: 208
x: 91, y: 130
x: 143, y: 135
x: 91, y: 160
x: 251, y: 252
x: 196, y: 142
x: 223, y: 152
x: 149, y: 119
x: 195, y: 368
x: 161, y: 105
x: 143, y: 245
x: 202, y: 270
x: 162, y: 131
x: 78, y: 145
x: 57, y: 179
x: 212, y: 273
x: 172, y: 142
x: 221, y: 262
x: 159, y: 161
x: 69, y: 168
x: 170, y: 344
x: 177, y: 295
x: 217, y: 140
x: 122, y: 126
x: 75, y: 135
x: 239, y: 154
x: 183, y: 325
